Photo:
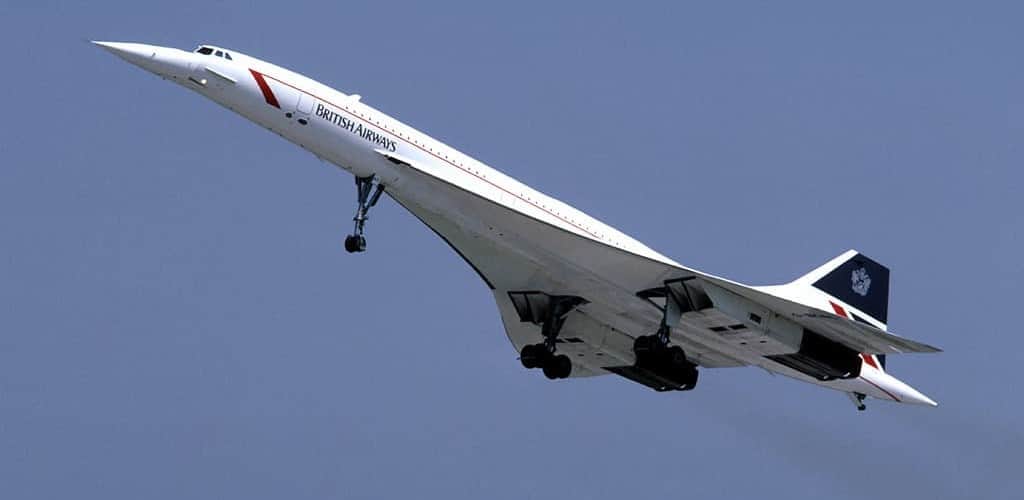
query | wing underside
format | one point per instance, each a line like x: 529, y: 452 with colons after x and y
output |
x: 597, y: 335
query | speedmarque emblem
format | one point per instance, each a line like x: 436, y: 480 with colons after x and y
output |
x: 861, y: 281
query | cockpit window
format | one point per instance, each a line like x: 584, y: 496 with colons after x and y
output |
x: 208, y: 51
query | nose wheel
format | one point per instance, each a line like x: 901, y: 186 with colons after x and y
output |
x: 356, y: 242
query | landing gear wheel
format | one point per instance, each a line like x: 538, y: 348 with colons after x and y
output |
x: 549, y: 371
x: 645, y: 347
x: 355, y: 243
x: 665, y: 362
x: 563, y: 366
x: 533, y: 355
x: 558, y: 367
x: 690, y: 375
x: 676, y: 357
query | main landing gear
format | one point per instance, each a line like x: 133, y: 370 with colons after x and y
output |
x: 664, y: 367
x: 548, y: 311
x: 356, y: 242
x: 543, y: 356
x: 665, y: 362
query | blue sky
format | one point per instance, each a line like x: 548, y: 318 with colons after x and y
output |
x: 178, y: 318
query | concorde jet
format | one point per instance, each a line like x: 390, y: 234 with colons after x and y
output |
x: 578, y: 298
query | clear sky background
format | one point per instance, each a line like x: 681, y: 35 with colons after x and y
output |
x: 178, y: 318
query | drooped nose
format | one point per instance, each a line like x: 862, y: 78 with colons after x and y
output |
x: 164, y: 61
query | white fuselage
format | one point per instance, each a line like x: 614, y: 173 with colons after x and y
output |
x: 342, y: 130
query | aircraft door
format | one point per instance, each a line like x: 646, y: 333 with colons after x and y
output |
x: 298, y: 106
x: 304, y: 106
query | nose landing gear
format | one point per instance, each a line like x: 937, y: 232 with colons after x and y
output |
x: 356, y: 242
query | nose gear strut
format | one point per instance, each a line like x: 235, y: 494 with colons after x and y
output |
x: 356, y: 242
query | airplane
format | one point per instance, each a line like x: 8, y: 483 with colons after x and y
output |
x: 577, y: 297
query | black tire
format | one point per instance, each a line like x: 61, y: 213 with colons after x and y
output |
x: 531, y: 357
x: 550, y: 370
x: 643, y: 343
x: 360, y: 243
x: 350, y: 244
x: 690, y: 378
x: 563, y: 366
x: 646, y: 348
x: 677, y: 357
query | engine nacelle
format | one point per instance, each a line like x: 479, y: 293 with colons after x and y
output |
x: 785, y: 341
x: 822, y: 358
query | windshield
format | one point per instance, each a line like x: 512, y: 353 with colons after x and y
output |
x: 208, y: 50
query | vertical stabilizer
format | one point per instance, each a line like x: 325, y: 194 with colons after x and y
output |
x: 855, y: 279
x: 859, y: 282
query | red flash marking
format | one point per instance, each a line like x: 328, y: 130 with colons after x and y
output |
x: 838, y: 309
x: 869, y: 359
x: 267, y: 93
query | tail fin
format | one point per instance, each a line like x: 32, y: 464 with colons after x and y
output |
x: 856, y: 280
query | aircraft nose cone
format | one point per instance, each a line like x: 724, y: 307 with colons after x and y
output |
x: 163, y: 61
x: 136, y: 53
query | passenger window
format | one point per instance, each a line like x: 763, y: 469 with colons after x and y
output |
x: 205, y: 51
x: 219, y: 54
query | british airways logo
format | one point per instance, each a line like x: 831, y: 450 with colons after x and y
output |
x: 356, y: 128
x: 860, y: 281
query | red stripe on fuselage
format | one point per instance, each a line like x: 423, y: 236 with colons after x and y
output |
x: 838, y: 309
x: 887, y: 393
x: 267, y: 93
